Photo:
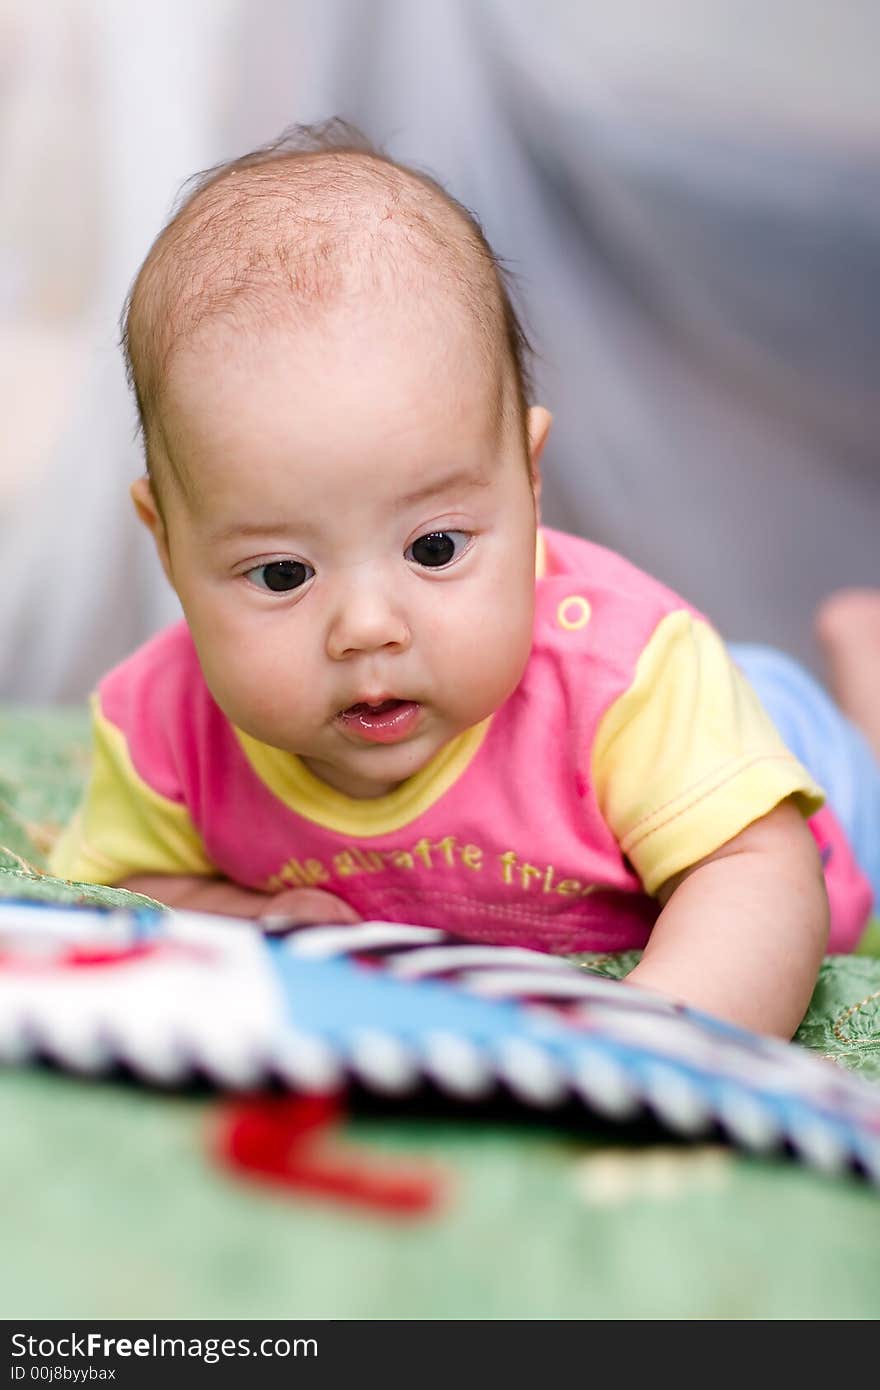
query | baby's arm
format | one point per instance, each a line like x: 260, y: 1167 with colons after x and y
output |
x: 218, y: 895
x: 742, y: 933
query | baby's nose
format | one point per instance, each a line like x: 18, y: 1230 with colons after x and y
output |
x: 367, y: 620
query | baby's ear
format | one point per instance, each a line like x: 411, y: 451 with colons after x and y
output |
x: 150, y: 515
x: 539, y: 422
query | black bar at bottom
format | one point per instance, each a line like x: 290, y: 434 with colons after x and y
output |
x: 130, y: 1354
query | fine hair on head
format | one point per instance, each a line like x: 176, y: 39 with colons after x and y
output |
x: 302, y: 226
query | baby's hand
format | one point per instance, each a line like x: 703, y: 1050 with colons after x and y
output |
x: 293, y: 907
x: 304, y: 906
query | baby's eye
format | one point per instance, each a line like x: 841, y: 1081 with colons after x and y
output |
x: 437, y: 548
x: 280, y: 576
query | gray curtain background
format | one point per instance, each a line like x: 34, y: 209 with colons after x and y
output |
x: 688, y: 193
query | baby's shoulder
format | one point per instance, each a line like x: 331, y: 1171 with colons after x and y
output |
x: 157, y: 686
x: 595, y: 605
x: 610, y: 577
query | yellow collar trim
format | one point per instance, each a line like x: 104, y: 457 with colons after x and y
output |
x: 288, y: 778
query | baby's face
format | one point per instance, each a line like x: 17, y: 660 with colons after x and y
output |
x: 356, y: 560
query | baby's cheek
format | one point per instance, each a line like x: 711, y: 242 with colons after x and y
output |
x: 253, y: 690
x: 275, y: 701
x: 490, y: 661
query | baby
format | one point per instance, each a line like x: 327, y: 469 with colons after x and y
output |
x: 394, y: 695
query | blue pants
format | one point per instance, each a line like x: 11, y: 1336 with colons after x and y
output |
x: 831, y: 748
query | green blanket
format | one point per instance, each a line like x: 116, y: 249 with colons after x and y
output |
x: 116, y: 1206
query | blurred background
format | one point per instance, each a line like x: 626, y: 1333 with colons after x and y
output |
x: 689, y: 195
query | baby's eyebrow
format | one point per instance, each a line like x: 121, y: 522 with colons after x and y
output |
x: 241, y: 530
x: 463, y: 478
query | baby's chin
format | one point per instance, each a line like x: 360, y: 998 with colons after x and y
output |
x: 376, y: 770
x: 354, y: 783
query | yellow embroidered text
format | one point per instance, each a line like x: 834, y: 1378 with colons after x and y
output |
x: 508, y: 868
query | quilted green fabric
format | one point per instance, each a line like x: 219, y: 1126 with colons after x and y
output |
x: 121, y: 1210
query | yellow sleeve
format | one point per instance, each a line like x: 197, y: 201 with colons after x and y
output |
x: 687, y: 757
x: 122, y: 826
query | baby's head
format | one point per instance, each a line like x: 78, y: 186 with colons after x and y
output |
x: 342, y: 465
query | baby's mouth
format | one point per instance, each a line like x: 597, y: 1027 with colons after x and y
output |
x: 386, y: 722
